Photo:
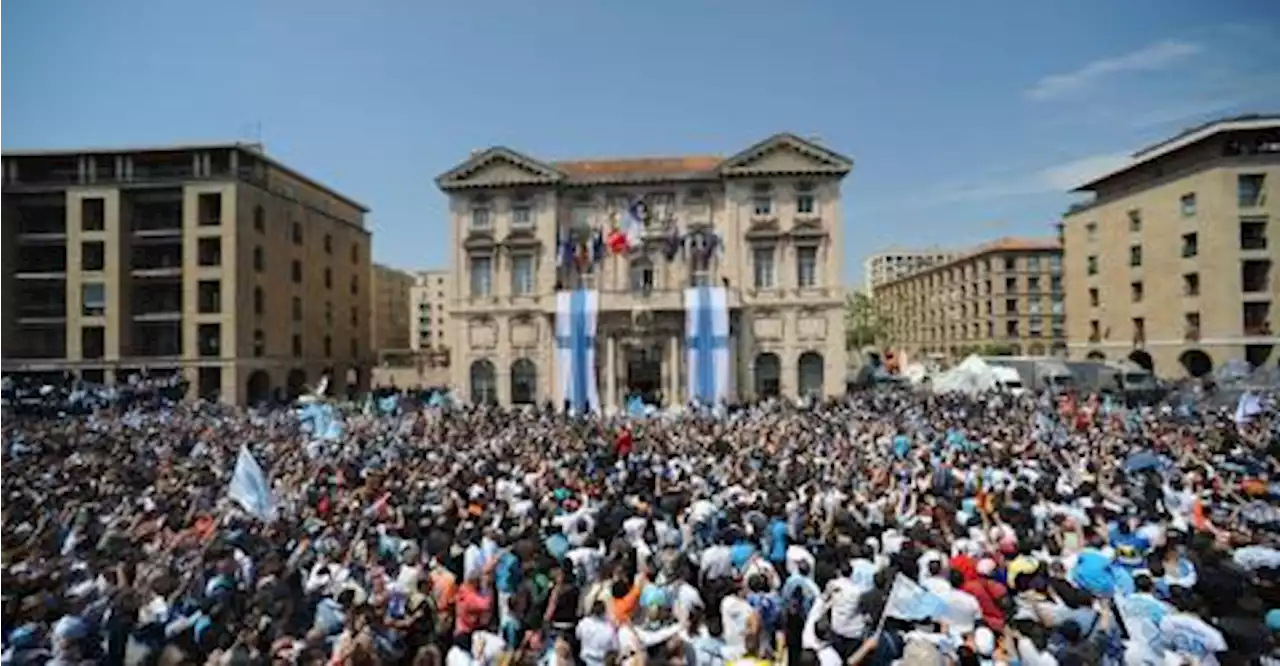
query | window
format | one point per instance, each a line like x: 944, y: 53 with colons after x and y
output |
x: 1136, y: 291
x: 1055, y: 264
x: 1139, y: 329
x: 641, y: 276
x: 806, y: 266
x: 1033, y: 286
x: 762, y: 200
x: 328, y: 346
x: 259, y: 218
x: 355, y: 285
x: 804, y: 199
x: 1011, y: 328
x: 1011, y: 285
x: 1011, y: 306
x: 209, y: 296
x: 1135, y: 256
x: 210, y: 209
x: 259, y: 262
x: 355, y: 253
x: 1091, y: 231
x: 328, y: 278
x: 522, y: 275
x: 209, y: 251
x: 1091, y: 265
x: 1095, y: 331
x: 1190, y: 245
x: 1093, y: 297
x: 93, y: 342
x: 93, y: 299
x: 93, y: 256
x: 295, y: 271
x: 355, y: 316
x: 521, y: 217
x: 479, y: 218
x: 259, y: 301
x: 1135, y: 221
x: 1033, y: 264
x: 480, y: 269
x: 1191, y: 284
x: 296, y: 345
x: 1191, y: 325
x: 297, y: 309
x: 1249, y: 190
x: 1253, y: 234
x: 328, y: 243
x: 297, y: 232
x: 1035, y: 327
x: 1055, y: 284
x: 93, y: 214
x: 1188, y: 204
x: 259, y: 343
x: 762, y: 266
x: 209, y: 340
x: 328, y: 314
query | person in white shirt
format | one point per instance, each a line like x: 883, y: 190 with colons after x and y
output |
x: 963, y: 612
x: 596, y: 635
x: 739, y: 621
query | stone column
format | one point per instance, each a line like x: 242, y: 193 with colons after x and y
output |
x: 673, y: 365
x: 611, y: 372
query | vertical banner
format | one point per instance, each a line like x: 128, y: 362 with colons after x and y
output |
x: 707, y: 336
x: 576, y: 318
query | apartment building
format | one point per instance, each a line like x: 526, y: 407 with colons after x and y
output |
x: 429, y: 300
x: 214, y: 261
x: 765, y: 223
x: 884, y: 267
x: 1005, y: 297
x: 1170, y: 264
x: 392, y: 301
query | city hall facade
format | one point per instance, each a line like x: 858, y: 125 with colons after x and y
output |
x: 764, y: 224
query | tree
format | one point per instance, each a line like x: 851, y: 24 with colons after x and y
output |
x: 863, y: 325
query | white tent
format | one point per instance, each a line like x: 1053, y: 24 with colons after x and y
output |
x: 972, y: 375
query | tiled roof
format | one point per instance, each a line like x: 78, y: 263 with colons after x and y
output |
x: 646, y: 166
x: 1009, y: 244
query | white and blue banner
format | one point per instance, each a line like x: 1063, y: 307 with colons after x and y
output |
x: 576, y: 318
x: 707, y: 357
x: 250, y: 488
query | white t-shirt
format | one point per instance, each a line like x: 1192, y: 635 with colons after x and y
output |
x: 735, y: 614
x: 597, y: 639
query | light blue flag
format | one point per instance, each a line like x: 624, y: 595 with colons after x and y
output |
x: 1248, y: 407
x: 910, y: 601
x: 389, y: 404
x: 250, y: 489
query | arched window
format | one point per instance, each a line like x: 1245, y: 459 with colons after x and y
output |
x: 768, y: 375
x: 259, y: 218
x: 524, y: 382
x: 259, y: 301
x: 811, y: 374
x: 484, y: 385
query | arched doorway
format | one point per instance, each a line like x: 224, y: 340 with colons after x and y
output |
x: 258, y: 388
x: 524, y: 382
x: 1095, y: 355
x: 484, y: 382
x: 1058, y: 349
x: 296, y: 383
x: 811, y: 373
x: 1142, y: 358
x: 768, y: 375
x: 1035, y: 349
x: 1196, y: 362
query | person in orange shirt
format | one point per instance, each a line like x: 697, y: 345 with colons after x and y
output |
x: 626, y: 598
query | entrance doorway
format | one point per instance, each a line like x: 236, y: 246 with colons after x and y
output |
x: 644, y: 373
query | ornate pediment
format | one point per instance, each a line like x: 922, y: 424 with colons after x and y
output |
x: 479, y: 241
x: 764, y: 230
x: 808, y: 230
x: 499, y: 167
x: 522, y: 239
x: 786, y: 154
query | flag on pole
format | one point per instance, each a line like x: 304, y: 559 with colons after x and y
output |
x: 249, y: 487
x: 910, y: 601
x: 707, y: 357
x: 576, y: 317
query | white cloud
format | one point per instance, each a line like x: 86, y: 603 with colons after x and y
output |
x: 1150, y: 58
x: 1056, y: 179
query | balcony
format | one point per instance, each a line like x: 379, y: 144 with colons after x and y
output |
x: 156, y: 301
x: 42, y: 300
x: 156, y: 259
x: 1255, y: 276
x: 156, y: 339
x: 37, y: 341
x: 42, y: 259
x: 1253, y: 235
x: 41, y: 220
x: 1256, y: 320
x: 157, y: 213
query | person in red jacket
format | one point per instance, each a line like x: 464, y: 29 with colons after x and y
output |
x: 622, y: 445
x: 989, y: 593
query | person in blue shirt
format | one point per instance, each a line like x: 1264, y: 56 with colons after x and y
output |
x: 1131, y: 548
x: 777, y: 540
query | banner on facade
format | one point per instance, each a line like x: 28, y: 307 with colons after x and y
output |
x: 708, y: 361
x: 576, y: 319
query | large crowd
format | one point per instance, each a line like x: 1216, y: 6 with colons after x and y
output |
x: 885, y: 527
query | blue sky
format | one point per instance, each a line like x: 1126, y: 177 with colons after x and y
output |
x: 966, y: 120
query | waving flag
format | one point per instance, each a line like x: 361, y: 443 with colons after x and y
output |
x: 910, y: 601
x: 249, y: 487
x: 633, y: 223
